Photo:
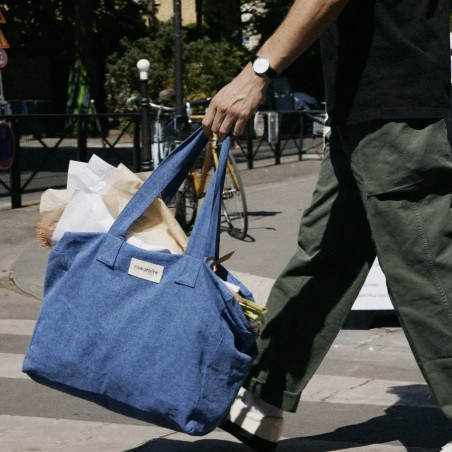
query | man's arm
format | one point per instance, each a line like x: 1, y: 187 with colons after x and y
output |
x: 237, y: 101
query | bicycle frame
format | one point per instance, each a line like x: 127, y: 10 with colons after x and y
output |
x: 200, y: 181
x: 234, y: 208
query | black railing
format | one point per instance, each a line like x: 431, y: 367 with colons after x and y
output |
x: 273, y: 134
x: 44, y: 144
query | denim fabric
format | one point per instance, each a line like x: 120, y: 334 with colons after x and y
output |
x: 385, y: 188
x: 174, y: 352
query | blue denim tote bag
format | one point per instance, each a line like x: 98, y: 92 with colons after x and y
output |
x: 151, y: 335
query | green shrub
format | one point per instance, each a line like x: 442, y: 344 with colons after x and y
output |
x: 208, y: 66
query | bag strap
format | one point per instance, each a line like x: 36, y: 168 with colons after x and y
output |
x: 168, y: 175
x: 205, y: 238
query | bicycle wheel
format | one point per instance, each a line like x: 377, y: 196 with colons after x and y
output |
x: 234, y: 201
x: 186, y: 204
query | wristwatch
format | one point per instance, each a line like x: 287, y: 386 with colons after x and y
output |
x: 262, y: 68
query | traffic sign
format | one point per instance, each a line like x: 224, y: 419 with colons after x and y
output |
x: 7, y: 146
x: 4, y: 44
x: 3, y: 59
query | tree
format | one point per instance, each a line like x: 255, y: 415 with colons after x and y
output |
x: 223, y: 17
x: 65, y: 32
x: 262, y: 18
x: 305, y: 74
x: 208, y: 65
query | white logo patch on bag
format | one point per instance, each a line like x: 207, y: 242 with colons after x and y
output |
x: 146, y: 270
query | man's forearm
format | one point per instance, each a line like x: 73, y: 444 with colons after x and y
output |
x: 237, y: 101
x: 305, y: 22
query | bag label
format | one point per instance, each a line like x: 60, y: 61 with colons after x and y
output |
x: 146, y: 270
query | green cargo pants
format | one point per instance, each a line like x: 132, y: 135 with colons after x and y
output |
x: 384, y: 188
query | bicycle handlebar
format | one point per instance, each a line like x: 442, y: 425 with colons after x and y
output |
x: 195, y: 103
x: 160, y: 107
x: 150, y: 103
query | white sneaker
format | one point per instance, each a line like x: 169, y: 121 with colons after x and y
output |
x: 248, y: 422
x: 447, y: 447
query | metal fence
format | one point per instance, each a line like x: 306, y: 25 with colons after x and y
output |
x: 274, y: 134
x: 44, y: 144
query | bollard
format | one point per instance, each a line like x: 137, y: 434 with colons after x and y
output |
x: 145, y: 164
x: 274, y: 137
x: 15, y: 171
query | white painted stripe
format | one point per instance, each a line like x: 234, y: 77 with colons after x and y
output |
x: 21, y: 433
x: 11, y: 366
x: 16, y: 326
x: 362, y: 391
x: 322, y: 388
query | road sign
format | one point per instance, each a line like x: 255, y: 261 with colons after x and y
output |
x: 4, y: 44
x: 7, y: 147
x: 3, y: 59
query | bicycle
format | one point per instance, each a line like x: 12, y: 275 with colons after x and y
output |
x: 234, y: 207
x: 165, y: 135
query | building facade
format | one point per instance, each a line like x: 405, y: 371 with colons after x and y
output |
x: 166, y: 7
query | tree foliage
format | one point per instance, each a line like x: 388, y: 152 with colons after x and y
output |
x: 208, y: 65
x: 70, y: 31
x: 262, y: 18
x: 31, y: 24
x: 223, y: 17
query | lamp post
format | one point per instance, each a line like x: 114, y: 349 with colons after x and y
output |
x: 178, y: 88
x: 145, y: 157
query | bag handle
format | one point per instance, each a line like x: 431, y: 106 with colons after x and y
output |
x: 168, y: 175
x: 205, y: 238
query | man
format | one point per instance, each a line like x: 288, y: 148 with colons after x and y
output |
x: 384, y: 188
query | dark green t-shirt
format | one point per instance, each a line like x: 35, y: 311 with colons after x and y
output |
x: 388, y: 59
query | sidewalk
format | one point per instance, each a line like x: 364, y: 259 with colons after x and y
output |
x: 28, y: 269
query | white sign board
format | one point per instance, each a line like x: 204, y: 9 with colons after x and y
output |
x: 374, y: 294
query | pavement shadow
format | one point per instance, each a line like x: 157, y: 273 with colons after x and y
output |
x: 258, y: 214
x: 202, y: 445
x: 413, y: 427
x: 263, y: 213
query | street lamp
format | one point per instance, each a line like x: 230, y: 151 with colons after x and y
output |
x: 178, y: 88
x: 143, y: 67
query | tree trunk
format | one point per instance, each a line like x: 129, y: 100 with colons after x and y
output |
x: 83, y: 32
x: 198, y: 4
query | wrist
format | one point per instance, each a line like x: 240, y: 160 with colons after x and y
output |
x: 262, y: 67
x: 262, y: 82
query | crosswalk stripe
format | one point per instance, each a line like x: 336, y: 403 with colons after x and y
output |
x: 11, y: 366
x: 322, y: 388
x: 20, y: 433
x: 362, y: 391
x: 16, y: 326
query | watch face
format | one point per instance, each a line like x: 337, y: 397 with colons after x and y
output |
x: 261, y: 65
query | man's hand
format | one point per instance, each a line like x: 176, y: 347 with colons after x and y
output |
x: 234, y: 104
